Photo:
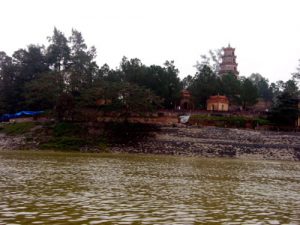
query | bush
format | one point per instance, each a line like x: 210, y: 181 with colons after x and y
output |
x: 65, y: 143
x: 18, y: 128
x: 67, y: 129
x: 126, y: 132
x: 231, y: 121
x: 72, y: 136
x: 261, y: 122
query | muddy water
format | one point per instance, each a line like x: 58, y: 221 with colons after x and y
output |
x: 64, y: 188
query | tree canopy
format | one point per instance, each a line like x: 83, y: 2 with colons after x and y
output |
x: 286, y: 110
x: 43, y: 77
x: 39, y: 78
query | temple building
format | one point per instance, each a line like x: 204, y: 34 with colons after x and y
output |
x: 262, y: 105
x: 217, y: 103
x: 228, y: 63
x: 186, y: 102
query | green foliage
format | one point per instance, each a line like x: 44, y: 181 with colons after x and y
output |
x: 286, y: 110
x: 122, y: 96
x: 65, y: 73
x: 238, y: 90
x: 65, y: 107
x: 290, y: 87
x: 205, y: 83
x: 67, y: 129
x: 129, y: 132
x: 187, y: 82
x: 73, y: 136
x: 230, y: 86
x: 65, y: 143
x: 43, y: 92
x: 296, y: 75
x: 264, y: 90
x: 248, y: 93
x: 132, y: 98
x: 18, y: 128
x: 162, y: 81
x: 65, y: 76
x: 262, y: 121
x: 58, y: 52
x: 227, y: 121
x: 82, y: 67
x: 211, y: 60
x: 9, y: 85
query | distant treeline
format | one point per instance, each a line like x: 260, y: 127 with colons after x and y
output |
x: 65, y: 76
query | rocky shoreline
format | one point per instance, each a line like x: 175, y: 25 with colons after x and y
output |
x: 219, y: 142
x: 194, y: 141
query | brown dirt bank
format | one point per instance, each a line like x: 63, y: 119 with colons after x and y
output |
x: 219, y: 142
x: 190, y: 141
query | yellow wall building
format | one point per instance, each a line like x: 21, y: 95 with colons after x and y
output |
x: 217, y: 103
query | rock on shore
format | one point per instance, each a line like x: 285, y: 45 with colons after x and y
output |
x: 17, y: 142
x: 219, y: 142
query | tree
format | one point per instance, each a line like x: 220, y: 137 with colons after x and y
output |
x: 249, y: 93
x: 82, y: 67
x: 133, y: 98
x: 213, y: 60
x: 291, y: 88
x: 134, y: 71
x: 123, y: 97
x: 65, y: 107
x: 286, y: 111
x: 8, y: 79
x: 28, y: 64
x: 58, y: 52
x: 296, y: 75
x: 187, y: 82
x: 230, y: 86
x: 205, y: 83
x: 43, y: 92
x: 262, y: 84
x: 168, y: 86
x: 163, y: 81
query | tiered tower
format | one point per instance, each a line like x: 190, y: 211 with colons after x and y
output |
x: 228, y: 64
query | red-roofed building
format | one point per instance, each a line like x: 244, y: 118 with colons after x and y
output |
x: 217, y: 103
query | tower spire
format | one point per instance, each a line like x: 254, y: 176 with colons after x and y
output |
x: 228, y: 64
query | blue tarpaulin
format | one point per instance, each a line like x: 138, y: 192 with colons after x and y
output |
x: 7, y: 117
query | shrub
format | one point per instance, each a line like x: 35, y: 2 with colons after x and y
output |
x: 231, y: 121
x: 67, y: 129
x: 18, y: 128
x: 65, y: 143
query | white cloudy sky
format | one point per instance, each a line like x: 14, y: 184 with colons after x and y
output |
x: 265, y: 33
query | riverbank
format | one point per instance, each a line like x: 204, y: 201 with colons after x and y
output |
x: 187, y: 141
x: 219, y: 142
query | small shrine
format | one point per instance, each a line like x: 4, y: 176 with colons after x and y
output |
x: 217, y: 103
x: 262, y: 105
x: 186, y: 102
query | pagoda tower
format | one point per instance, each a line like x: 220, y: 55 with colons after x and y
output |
x: 228, y: 64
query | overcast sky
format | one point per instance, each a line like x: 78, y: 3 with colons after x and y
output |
x: 265, y: 33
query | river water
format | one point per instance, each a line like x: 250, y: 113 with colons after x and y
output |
x: 74, y: 188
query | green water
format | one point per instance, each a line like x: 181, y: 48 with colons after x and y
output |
x: 62, y: 188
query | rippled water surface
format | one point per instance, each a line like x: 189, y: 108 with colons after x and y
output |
x: 61, y: 188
